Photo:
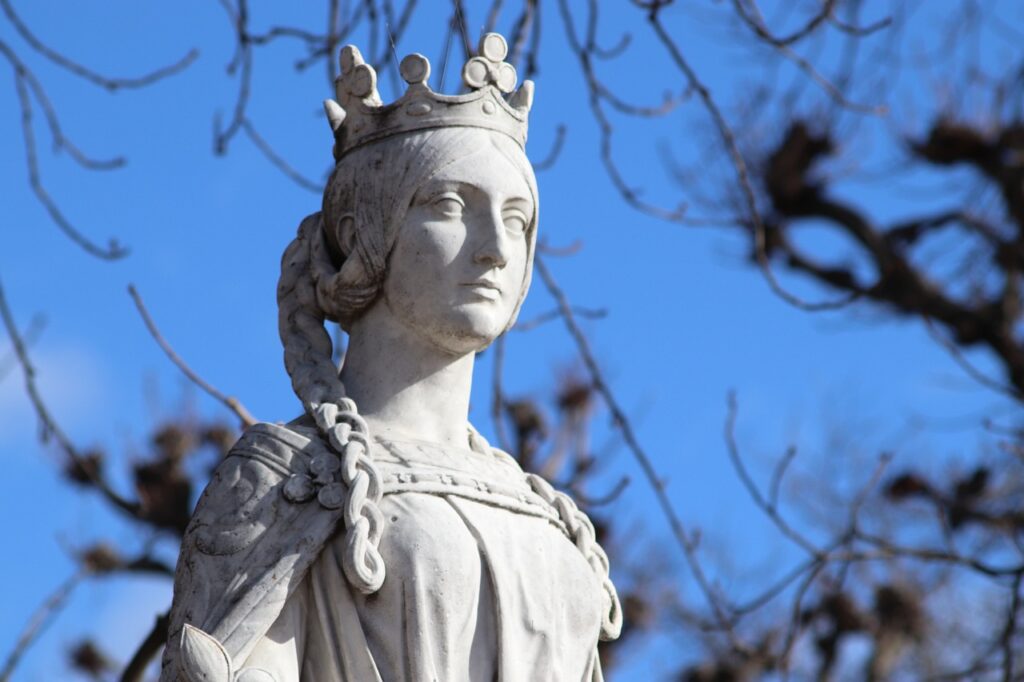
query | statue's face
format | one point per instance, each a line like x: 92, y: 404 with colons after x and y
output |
x: 457, y: 268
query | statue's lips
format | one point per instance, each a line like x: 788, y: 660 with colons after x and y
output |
x: 484, y: 288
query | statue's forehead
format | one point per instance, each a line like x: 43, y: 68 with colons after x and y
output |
x: 488, y: 170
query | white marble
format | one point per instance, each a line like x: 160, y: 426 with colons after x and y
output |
x: 379, y: 537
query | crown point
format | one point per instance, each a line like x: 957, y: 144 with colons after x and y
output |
x: 493, y: 47
x: 350, y: 57
x: 523, y: 97
x: 335, y: 114
x: 415, y: 68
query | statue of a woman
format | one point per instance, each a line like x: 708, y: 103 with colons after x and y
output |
x: 390, y: 542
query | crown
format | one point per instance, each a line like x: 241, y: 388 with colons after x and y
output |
x: 358, y: 116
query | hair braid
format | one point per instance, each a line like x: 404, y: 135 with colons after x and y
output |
x: 307, y: 345
x: 307, y: 357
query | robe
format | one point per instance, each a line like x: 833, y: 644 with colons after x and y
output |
x: 484, y: 580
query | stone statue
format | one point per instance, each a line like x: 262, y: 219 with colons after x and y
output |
x: 391, y: 542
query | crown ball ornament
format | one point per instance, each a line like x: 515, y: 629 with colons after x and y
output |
x: 415, y: 69
x: 358, y: 116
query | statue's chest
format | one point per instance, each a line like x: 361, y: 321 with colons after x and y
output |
x: 469, y: 580
x: 477, y: 558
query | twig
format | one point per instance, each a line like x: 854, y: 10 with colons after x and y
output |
x: 231, y: 403
x: 860, y: 31
x: 442, y: 72
x: 740, y: 165
x: 795, y: 621
x: 596, y: 95
x: 460, y: 16
x: 278, y: 162
x: 755, y: 21
x: 333, y: 21
x: 136, y: 668
x: 521, y: 31
x: 770, y: 510
x: 29, y: 336
x: 830, y: 88
x: 686, y: 542
x: 60, y: 141
x: 492, y: 16
x: 49, y: 424
x: 1011, y: 628
x: 242, y: 59
x: 616, y: 49
x: 556, y: 150
x: 570, y: 249
x: 43, y: 616
x: 552, y: 315
x: 113, y: 251
x: 778, y: 474
x: 601, y: 500
x: 976, y: 374
x: 81, y: 71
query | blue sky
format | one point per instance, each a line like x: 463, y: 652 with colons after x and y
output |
x: 688, y: 320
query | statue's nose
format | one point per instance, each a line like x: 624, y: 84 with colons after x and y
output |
x: 495, y: 243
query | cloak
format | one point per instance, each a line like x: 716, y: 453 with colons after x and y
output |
x: 488, y: 570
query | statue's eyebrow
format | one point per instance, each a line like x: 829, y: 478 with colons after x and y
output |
x: 435, y: 185
x: 519, y: 200
x: 431, y: 187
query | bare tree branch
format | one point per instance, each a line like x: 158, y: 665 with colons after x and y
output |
x: 278, y: 162
x: 43, y: 616
x: 742, y: 173
x: 230, y: 402
x: 31, y: 334
x: 50, y: 425
x: 150, y: 646
x: 686, y: 541
x: 113, y: 251
x: 86, y: 73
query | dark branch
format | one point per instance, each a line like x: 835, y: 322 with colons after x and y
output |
x: 106, y: 82
x: 230, y: 402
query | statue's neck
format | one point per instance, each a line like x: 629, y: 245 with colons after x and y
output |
x: 403, y: 386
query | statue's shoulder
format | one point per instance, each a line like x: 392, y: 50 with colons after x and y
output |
x: 507, y: 460
x: 247, y: 544
x: 243, y: 497
x: 278, y: 447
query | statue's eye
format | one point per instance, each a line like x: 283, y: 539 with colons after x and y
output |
x: 515, y: 221
x: 449, y: 204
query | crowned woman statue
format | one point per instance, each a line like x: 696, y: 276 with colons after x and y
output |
x: 379, y: 537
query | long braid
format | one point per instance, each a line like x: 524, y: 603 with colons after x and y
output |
x: 307, y: 357
x: 307, y: 345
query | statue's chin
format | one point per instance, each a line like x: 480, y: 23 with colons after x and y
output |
x: 469, y: 328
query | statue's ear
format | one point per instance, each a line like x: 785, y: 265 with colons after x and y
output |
x: 342, y: 236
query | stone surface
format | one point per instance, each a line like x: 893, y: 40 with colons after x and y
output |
x: 379, y: 537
